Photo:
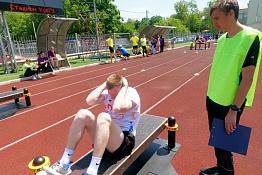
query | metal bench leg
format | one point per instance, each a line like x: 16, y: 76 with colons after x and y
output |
x: 14, y: 89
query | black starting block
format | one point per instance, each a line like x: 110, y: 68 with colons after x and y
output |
x: 10, y: 109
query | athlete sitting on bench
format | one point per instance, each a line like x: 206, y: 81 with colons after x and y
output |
x: 113, y: 130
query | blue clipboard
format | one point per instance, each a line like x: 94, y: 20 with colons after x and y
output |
x: 236, y: 141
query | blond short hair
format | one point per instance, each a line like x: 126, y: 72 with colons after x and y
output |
x: 113, y: 81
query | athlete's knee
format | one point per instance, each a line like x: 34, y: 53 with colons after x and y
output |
x: 85, y: 115
x: 104, y: 119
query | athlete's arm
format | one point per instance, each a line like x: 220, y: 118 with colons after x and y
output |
x: 121, y: 103
x: 96, y: 96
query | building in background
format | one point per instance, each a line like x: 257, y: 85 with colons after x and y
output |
x: 242, y: 18
x: 254, y: 17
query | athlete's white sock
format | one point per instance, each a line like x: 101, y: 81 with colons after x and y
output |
x: 66, y: 158
x: 94, y: 165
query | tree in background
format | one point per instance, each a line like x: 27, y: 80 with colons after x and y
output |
x: 111, y: 14
x: 21, y: 24
x: 187, y: 18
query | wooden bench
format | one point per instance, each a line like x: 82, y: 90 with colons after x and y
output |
x: 144, y: 155
x: 14, y: 94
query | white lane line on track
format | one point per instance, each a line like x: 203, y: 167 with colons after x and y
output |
x: 96, y: 86
x: 89, y: 78
x: 174, y: 91
x: 101, y: 76
x: 40, y: 131
x: 11, y: 144
x: 94, y: 71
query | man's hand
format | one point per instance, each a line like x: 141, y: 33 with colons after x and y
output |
x: 230, y: 121
x: 124, y: 83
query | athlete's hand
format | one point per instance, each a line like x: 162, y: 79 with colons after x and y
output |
x: 124, y: 83
x: 230, y: 121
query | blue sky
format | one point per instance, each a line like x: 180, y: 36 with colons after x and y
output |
x: 136, y: 9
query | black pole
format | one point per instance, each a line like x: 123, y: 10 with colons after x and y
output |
x: 171, y: 134
x: 27, y: 98
x: 14, y: 89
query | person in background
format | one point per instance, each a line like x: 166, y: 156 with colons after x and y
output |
x: 42, y: 61
x: 143, y: 44
x: 52, y: 56
x: 173, y: 42
x: 123, y: 52
x: 111, y: 49
x: 134, y: 41
x: 31, y: 69
x: 162, y: 44
x: 158, y: 44
x: 153, y: 41
x: 191, y: 45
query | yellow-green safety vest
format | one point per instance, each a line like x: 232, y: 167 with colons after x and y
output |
x: 227, y: 65
x: 143, y: 40
x: 24, y: 69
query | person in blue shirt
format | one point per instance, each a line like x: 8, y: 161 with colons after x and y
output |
x: 123, y: 52
x: 153, y: 42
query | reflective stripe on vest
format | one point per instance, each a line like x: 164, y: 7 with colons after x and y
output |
x: 227, y: 65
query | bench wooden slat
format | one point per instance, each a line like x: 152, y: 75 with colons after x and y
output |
x: 11, y: 95
x: 120, y: 169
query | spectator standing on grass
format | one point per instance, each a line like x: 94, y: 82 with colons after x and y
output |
x: 111, y: 49
x: 173, y: 42
x: 143, y: 44
x: 158, y: 44
x: 153, y: 41
x: 43, y: 61
x: 162, y: 44
x: 233, y: 76
x: 31, y: 69
x: 52, y: 56
x: 134, y: 41
x: 112, y: 131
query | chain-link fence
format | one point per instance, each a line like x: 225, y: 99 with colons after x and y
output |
x: 25, y: 47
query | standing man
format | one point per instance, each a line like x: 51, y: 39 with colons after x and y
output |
x: 143, y: 44
x: 111, y: 49
x: 162, y: 44
x: 113, y: 130
x: 233, y: 76
x: 134, y: 40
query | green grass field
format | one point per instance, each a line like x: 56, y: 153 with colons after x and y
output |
x: 75, y: 62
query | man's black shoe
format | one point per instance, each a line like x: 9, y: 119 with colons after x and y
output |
x: 209, y: 171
